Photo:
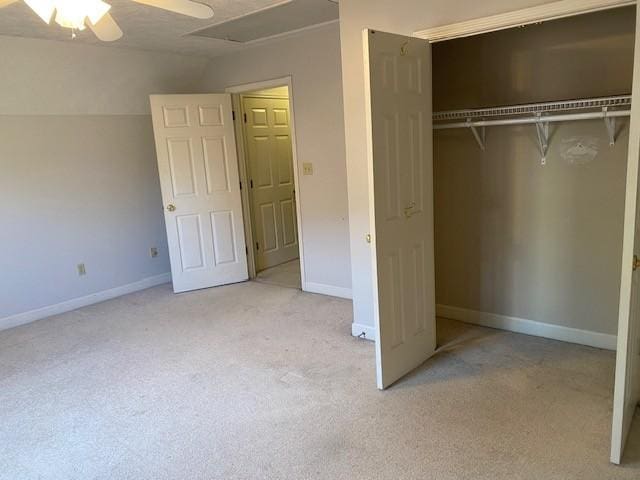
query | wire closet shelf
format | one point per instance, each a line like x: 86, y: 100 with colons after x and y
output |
x: 538, y: 114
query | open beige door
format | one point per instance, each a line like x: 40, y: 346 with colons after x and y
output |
x: 198, y: 168
x: 627, y: 384
x: 270, y: 158
x: 401, y: 201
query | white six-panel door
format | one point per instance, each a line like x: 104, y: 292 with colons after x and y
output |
x: 198, y: 168
x: 627, y: 383
x: 401, y: 201
x: 270, y: 158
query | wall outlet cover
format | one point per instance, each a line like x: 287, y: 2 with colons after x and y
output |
x: 81, y: 269
x: 153, y: 252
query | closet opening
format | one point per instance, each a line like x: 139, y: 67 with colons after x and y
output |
x: 531, y: 128
x: 530, y: 140
x: 519, y: 187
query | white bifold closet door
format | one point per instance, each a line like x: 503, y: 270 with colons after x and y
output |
x: 198, y: 168
x: 400, y: 162
x: 627, y: 383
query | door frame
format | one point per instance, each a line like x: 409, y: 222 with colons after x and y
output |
x: 552, y: 11
x: 516, y: 18
x: 236, y: 92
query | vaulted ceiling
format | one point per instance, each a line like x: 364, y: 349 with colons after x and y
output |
x: 148, y: 28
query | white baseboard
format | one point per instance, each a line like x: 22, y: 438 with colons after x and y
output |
x: 529, y: 327
x: 75, y: 303
x: 363, y: 331
x: 330, y: 290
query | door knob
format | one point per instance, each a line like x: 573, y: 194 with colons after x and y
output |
x: 171, y: 207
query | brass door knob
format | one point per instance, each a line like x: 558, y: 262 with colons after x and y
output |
x: 171, y: 207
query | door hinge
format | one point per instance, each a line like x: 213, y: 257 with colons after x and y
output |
x: 233, y: 115
x: 251, y: 182
x: 246, y: 250
x: 240, y: 184
x: 245, y: 118
x: 636, y: 262
x: 257, y: 246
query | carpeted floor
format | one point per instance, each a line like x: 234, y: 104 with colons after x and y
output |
x: 284, y: 275
x: 253, y: 381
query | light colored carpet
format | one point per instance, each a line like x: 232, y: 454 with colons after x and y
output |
x: 284, y: 275
x: 253, y: 381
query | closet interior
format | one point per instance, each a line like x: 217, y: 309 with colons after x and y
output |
x: 530, y: 143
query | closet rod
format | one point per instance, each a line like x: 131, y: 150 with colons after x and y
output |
x: 536, y: 119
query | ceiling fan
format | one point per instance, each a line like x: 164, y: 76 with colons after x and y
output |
x: 78, y: 14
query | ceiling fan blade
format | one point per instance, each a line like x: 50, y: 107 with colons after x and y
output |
x: 185, y: 7
x: 106, y: 29
x: 4, y: 3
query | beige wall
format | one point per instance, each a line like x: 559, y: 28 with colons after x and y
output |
x: 577, y: 57
x: 517, y: 238
x: 76, y: 189
x: 312, y: 59
x: 79, y: 182
x: 403, y: 17
x: 43, y: 77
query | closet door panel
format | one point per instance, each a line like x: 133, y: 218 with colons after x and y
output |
x: 627, y: 383
x: 401, y: 189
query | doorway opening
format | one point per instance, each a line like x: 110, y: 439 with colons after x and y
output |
x: 268, y: 175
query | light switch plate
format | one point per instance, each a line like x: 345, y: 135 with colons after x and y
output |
x: 307, y: 168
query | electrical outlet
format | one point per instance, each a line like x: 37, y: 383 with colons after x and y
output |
x: 81, y: 269
x: 153, y: 252
x: 307, y: 168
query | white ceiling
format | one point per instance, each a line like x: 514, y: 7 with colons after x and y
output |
x: 144, y: 27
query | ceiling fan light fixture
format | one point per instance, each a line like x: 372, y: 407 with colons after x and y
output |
x: 98, y: 10
x: 70, y: 13
x: 73, y: 13
x: 67, y: 20
x: 94, y: 14
x: 43, y: 8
